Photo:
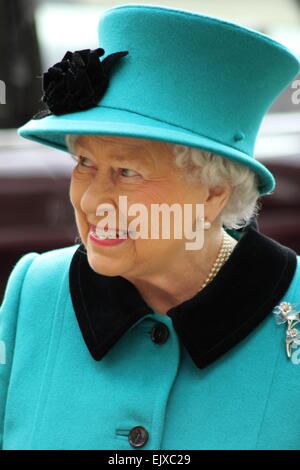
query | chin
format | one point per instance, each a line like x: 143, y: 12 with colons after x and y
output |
x: 105, y: 264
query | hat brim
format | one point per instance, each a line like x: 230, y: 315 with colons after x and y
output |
x: 102, y: 120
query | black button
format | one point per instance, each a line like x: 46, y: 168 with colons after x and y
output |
x: 160, y: 333
x: 138, y: 436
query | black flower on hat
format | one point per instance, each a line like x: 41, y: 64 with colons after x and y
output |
x: 77, y: 82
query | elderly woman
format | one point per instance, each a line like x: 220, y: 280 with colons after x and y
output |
x: 124, y: 341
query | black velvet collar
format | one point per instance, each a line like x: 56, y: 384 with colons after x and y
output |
x: 244, y: 292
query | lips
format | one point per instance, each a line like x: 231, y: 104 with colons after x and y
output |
x: 105, y: 234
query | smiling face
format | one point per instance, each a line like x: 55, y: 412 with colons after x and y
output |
x: 143, y: 170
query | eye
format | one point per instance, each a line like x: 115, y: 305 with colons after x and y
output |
x: 81, y: 161
x: 128, y: 172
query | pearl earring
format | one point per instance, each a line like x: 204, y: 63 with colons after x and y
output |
x: 206, y: 224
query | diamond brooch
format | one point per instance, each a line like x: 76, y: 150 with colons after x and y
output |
x: 287, y: 313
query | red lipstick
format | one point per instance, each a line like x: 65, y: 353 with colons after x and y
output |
x: 105, y: 242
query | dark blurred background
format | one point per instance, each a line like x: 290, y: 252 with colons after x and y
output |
x: 36, y: 213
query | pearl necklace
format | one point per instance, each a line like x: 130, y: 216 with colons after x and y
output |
x: 224, y: 253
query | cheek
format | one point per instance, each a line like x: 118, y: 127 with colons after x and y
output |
x: 165, y: 192
x: 77, y: 188
x: 157, y: 194
x: 154, y: 193
x: 174, y: 194
x: 148, y: 195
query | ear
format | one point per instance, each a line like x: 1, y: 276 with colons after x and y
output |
x: 217, y: 199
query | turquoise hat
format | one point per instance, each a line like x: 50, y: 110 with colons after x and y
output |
x: 170, y: 75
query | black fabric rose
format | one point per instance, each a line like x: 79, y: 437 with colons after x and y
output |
x: 77, y: 82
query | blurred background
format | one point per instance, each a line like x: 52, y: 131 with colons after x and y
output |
x: 36, y: 214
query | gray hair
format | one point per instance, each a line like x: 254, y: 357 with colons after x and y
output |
x: 213, y: 169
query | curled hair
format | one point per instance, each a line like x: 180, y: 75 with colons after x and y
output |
x: 70, y: 142
x: 213, y: 170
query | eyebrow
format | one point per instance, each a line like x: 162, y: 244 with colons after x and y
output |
x: 126, y: 148
x: 127, y: 158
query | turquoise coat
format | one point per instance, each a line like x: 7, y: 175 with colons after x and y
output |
x: 84, y: 360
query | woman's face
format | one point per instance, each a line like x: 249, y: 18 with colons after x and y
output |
x: 142, y: 170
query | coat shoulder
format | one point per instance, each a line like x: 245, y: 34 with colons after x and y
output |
x: 36, y: 276
x: 48, y: 265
